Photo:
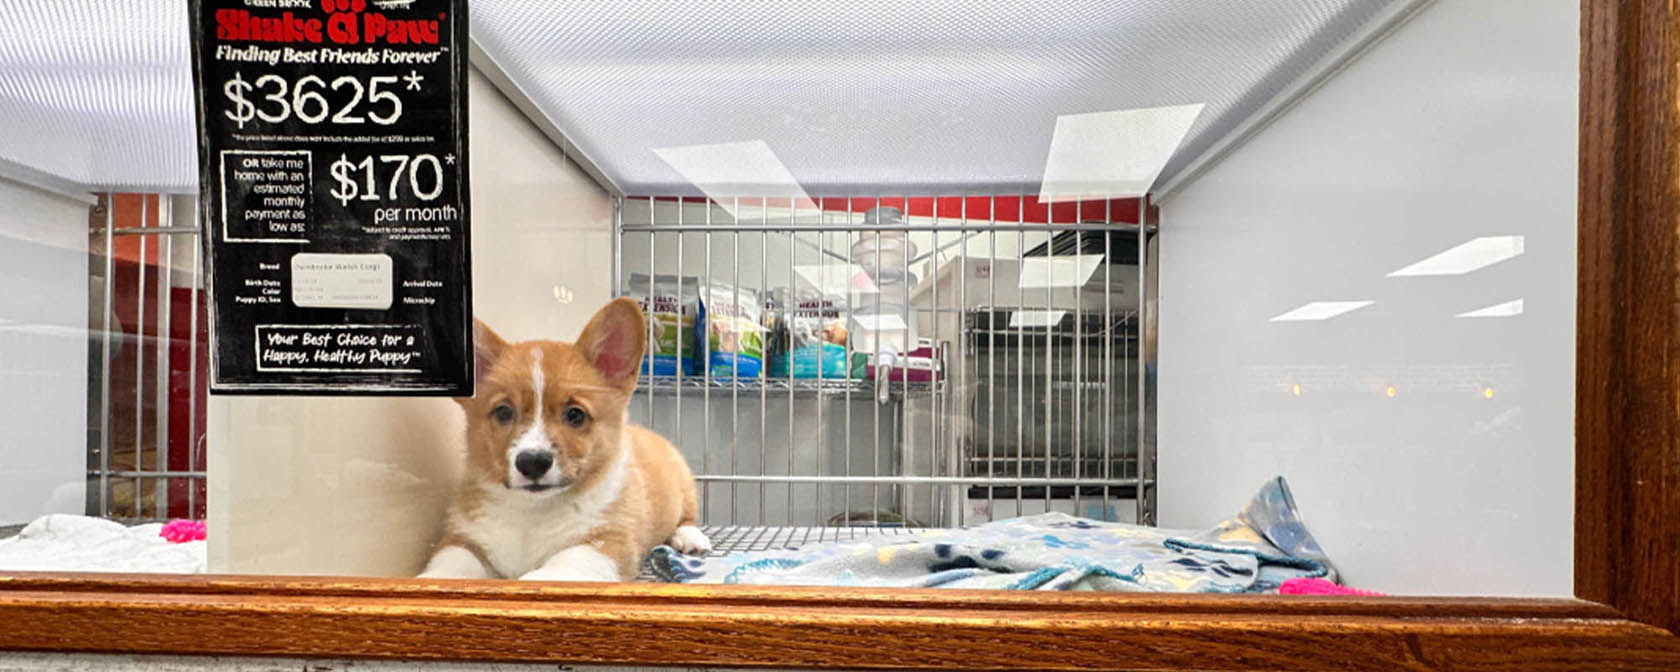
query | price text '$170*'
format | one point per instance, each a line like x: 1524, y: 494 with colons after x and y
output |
x: 422, y: 174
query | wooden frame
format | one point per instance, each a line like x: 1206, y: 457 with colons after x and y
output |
x: 1627, y: 521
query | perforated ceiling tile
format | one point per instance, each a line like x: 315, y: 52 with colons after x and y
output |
x: 861, y: 96
x: 99, y: 92
x: 883, y: 96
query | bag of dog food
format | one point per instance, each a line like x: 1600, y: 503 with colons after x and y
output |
x: 730, y: 322
x: 809, y: 339
x: 670, y: 304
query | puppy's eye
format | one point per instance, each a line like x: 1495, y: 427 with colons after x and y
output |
x: 576, y: 417
x: 502, y: 413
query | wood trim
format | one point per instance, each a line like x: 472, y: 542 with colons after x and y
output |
x: 1627, y: 426
x: 802, y: 627
x: 489, y: 592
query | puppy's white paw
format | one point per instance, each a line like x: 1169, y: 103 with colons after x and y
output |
x: 689, y: 540
x: 578, y: 563
x: 566, y: 574
x: 454, y: 562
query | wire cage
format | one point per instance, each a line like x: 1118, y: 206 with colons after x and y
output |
x: 148, y: 372
x: 1013, y: 385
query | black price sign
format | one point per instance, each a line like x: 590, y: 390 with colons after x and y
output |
x: 333, y: 195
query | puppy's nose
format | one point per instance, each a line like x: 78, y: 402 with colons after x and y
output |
x: 533, y: 463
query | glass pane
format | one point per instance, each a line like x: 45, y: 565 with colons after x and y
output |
x: 1114, y: 295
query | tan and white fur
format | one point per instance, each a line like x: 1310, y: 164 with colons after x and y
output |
x: 558, y: 485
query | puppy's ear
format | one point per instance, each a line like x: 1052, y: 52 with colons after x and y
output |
x: 614, y: 341
x: 487, y: 349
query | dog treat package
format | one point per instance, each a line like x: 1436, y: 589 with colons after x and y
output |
x: 670, y: 304
x: 808, y: 340
x: 730, y: 321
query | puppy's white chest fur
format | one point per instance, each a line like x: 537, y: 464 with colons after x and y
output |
x: 519, y: 532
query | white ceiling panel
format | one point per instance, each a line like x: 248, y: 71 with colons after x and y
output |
x: 854, y: 97
x: 99, y: 92
x: 888, y: 96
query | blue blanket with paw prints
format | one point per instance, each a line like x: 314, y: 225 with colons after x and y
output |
x: 1255, y: 551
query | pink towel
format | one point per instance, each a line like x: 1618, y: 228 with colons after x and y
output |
x: 181, y: 531
x: 1315, y: 586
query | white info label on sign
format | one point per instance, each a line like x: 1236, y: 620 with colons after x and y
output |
x: 357, y: 281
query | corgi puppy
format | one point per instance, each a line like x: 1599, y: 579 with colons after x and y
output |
x: 558, y: 485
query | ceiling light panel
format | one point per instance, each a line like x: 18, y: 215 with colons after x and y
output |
x: 1506, y: 309
x: 1472, y: 255
x: 1320, y: 310
x: 1114, y: 154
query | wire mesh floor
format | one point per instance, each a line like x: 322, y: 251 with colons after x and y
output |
x: 740, y: 539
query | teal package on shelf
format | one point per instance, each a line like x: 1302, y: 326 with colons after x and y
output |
x: 824, y: 360
x: 808, y: 337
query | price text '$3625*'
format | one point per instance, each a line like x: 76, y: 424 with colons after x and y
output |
x: 275, y: 99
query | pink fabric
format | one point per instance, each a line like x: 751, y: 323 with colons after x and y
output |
x: 181, y: 531
x: 1320, y: 587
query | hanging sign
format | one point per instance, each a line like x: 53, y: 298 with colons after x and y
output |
x: 333, y: 195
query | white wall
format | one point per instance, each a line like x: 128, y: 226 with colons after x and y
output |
x: 1461, y: 124
x: 358, y: 485
x: 43, y: 353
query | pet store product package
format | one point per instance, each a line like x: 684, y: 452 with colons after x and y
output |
x: 730, y: 319
x: 923, y: 364
x: 808, y: 341
x: 671, y: 305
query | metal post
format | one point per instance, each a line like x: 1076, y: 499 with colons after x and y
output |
x: 1049, y: 352
x: 991, y: 362
x: 105, y: 443
x: 1108, y: 352
x: 618, y: 246
x: 1078, y: 358
x: 1146, y: 461
x: 676, y: 384
x: 653, y: 243
x: 706, y: 374
x: 821, y: 394
x: 846, y: 507
x: 1020, y: 356
x: 763, y: 380
x: 140, y: 362
x: 166, y: 267
x: 875, y: 496
x: 787, y: 309
x: 957, y: 464
x: 192, y: 381
x: 907, y: 437
x: 935, y: 411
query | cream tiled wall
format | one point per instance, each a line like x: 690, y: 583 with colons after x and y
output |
x: 357, y: 486
x: 44, y: 351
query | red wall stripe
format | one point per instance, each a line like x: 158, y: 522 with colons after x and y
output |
x: 1012, y: 208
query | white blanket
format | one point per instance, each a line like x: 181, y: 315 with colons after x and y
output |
x: 67, y: 543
